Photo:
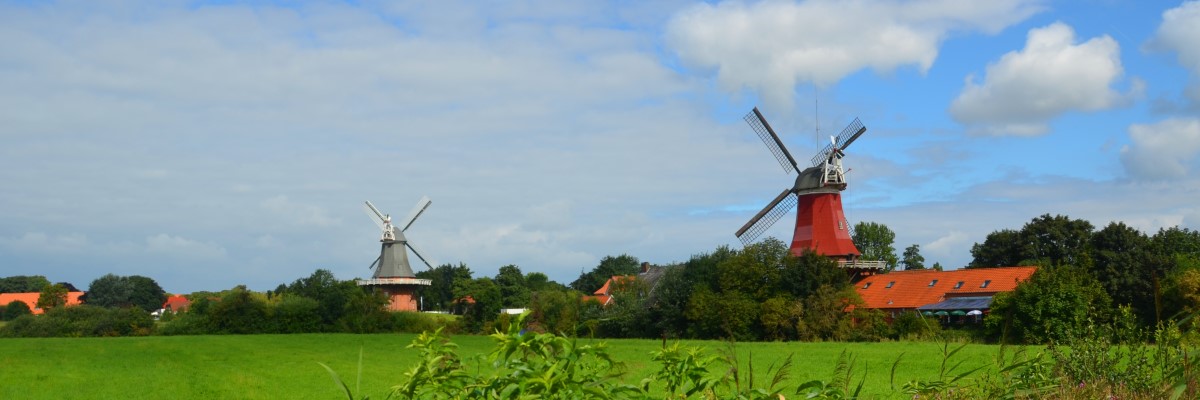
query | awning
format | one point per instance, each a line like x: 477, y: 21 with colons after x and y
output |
x: 960, y: 303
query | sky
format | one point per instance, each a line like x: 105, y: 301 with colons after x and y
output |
x: 209, y: 144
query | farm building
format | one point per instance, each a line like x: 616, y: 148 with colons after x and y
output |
x: 177, y: 303
x: 31, y: 299
x: 958, y: 292
x: 649, y: 275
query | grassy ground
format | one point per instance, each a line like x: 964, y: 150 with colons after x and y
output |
x: 279, y: 366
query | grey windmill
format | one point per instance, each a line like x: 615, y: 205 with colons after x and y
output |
x: 393, y: 253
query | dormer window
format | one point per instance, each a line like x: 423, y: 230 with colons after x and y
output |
x: 933, y: 282
x: 889, y: 286
x: 958, y: 285
x: 986, y: 283
x: 866, y: 285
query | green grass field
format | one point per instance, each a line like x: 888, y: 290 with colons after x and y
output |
x: 285, y: 366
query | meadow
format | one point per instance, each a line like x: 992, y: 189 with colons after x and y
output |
x: 286, y: 366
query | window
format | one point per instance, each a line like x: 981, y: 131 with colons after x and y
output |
x: 986, y: 283
x: 933, y: 282
x: 958, y: 285
x: 889, y: 286
x: 867, y: 285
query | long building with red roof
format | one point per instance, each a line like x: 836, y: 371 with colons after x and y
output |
x: 31, y: 299
x: 931, y: 290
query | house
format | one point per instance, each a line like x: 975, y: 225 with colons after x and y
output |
x: 31, y: 299
x: 177, y: 303
x: 965, y: 291
x: 649, y: 275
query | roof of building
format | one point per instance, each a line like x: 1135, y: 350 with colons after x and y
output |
x: 177, y: 302
x: 31, y: 299
x: 913, y: 289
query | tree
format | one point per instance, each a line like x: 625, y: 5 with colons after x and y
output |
x: 487, y: 303
x: 609, y: 267
x: 1001, y: 248
x: 15, y: 309
x: 125, y: 291
x: 439, y: 295
x: 875, y: 241
x: 1124, y: 265
x: 1058, y: 240
x: 23, y: 284
x: 52, y: 296
x: 913, y: 259
x: 513, y: 291
x: 1045, y: 240
x: 805, y: 275
x: 1047, y: 307
x: 330, y: 293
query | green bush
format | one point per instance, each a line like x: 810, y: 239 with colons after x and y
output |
x: 80, y: 321
x: 15, y: 309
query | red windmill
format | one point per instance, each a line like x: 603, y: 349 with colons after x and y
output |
x: 821, y: 226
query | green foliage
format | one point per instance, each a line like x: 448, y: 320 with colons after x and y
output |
x: 52, y: 296
x: 1045, y: 240
x: 609, y: 267
x: 913, y: 260
x: 439, y: 295
x: 239, y: 312
x: 523, y: 365
x: 486, y: 306
x: 838, y: 386
x: 81, y: 321
x: 911, y: 325
x: 554, y: 311
x: 684, y: 373
x: 125, y: 291
x: 876, y: 241
x: 514, y: 292
x: 14, y: 309
x: 23, y: 284
x: 1047, y: 307
x: 1124, y: 265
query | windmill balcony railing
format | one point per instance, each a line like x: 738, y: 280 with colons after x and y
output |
x: 863, y: 264
x: 394, y: 281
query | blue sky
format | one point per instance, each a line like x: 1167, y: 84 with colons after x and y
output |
x: 211, y: 144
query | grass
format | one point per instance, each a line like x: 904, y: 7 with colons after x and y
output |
x: 277, y: 366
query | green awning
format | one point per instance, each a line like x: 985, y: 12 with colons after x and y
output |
x: 958, y: 313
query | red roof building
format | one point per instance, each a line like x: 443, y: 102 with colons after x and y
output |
x: 31, y: 299
x: 177, y: 303
x: 962, y: 289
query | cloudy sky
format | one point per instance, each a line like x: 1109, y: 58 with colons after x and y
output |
x: 211, y: 144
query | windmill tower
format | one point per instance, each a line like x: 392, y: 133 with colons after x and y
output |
x: 393, y: 274
x: 821, y: 225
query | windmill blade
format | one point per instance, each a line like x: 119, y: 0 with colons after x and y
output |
x: 769, y: 138
x: 851, y: 133
x: 843, y: 140
x: 414, y: 250
x: 374, y: 213
x: 762, y: 221
x: 416, y: 212
x: 376, y: 262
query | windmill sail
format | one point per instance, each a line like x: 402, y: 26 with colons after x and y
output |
x: 767, y: 217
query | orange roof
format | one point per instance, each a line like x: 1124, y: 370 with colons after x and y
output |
x: 604, y: 293
x: 912, y: 289
x: 31, y: 299
x: 177, y: 303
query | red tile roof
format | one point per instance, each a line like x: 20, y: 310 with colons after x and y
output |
x: 31, y: 299
x: 177, y: 303
x: 604, y: 293
x: 912, y: 289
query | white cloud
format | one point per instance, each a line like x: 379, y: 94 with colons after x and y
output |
x: 1179, y: 32
x: 772, y: 46
x: 183, y: 248
x: 1168, y: 149
x: 290, y: 213
x: 1052, y: 75
x: 72, y: 243
x: 944, y: 247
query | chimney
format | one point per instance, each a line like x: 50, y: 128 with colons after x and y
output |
x: 645, y: 267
